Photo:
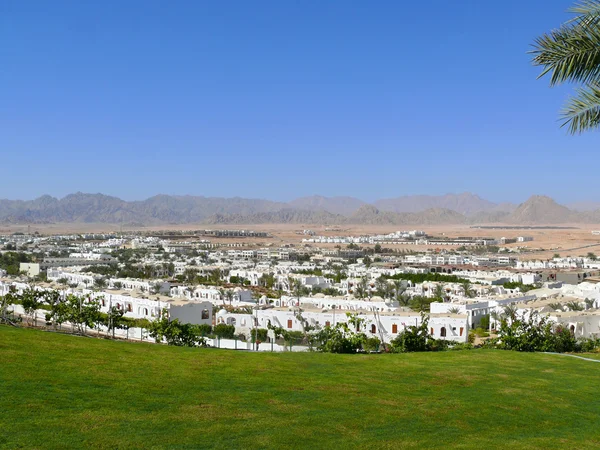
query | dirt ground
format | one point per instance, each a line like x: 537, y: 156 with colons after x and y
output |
x: 574, y: 241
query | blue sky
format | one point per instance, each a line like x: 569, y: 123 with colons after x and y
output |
x: 280, y: 99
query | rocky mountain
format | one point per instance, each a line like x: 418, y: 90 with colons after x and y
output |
x: 542, y: 209
x: 335, y: 205
x: 584, y: 206
x: 101, y: 208
x: 365, y: 215
x: 281, y: 216
x: 169, y: 209
x: 465, y: 203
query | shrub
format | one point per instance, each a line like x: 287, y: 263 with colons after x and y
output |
x: 224, y: 331
x: 371, y: 344
x: 205, y: 329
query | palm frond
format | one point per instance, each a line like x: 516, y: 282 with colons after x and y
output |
x: 582, y: 112
x: 588, y: 12
x: 569, y: 53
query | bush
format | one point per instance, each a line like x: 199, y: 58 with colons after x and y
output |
x: 481, y: 332
x: 205, y: 329
x: 417, y: 339
x: 259, y: 334
x: 371, y: 344
x: 535, y: 335
x: 224, y: 331
x: 588, y: 345
x: 485, y: 322
x: 471, y: 338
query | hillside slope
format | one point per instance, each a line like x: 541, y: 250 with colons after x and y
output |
x: 60, y: 391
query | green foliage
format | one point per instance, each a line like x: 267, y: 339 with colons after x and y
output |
x: 517, y: 284
x: 420, y: 303
x: 485, y: 322
x: 416, y: 338
x: 416, y: 278
x: 110, y: 270
x: 259, y: 334
x: 371, y: 344
x: 10, y: 261
x: 224, y: 331
x: 315, y: 272
x: 176, y: 333
x: 205, y: 329
x: 339, y: 339
x: 570, y: 55
x: 535, y: 334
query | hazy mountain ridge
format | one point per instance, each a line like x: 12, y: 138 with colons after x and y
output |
x: 465, y: 203
x: 169, y: 209
x: 335, y: 205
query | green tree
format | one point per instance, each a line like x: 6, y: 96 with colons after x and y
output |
x: 114, y: 319
x: 31, y: 301
x: 570, y: 54
x: 468, y: 289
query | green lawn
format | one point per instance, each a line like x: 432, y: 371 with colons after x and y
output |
x: 59, y: 391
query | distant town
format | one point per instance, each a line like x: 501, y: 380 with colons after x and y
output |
x: 269, y: 297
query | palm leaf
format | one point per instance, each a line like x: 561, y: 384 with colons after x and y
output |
x: 582, y: 112
x: 570, y: 53
x: 588, y: 12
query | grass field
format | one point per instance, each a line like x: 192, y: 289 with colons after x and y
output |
x: 59, y: 391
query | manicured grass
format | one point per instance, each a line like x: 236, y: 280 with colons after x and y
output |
x: 59, y: 391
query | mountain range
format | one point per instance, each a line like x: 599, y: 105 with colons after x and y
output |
x: 465, y: 208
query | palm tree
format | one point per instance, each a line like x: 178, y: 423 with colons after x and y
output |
x: 589, y: 303
x: 497, y: 318
x: 570, y: 54
x: 556, y: 306
x: 574, y: 306
x: 454, y: 310
x: 510, y: 311
x: 439, y: 291
x: 468, y: 289
x: 222, y: 295
x: 229, y: 294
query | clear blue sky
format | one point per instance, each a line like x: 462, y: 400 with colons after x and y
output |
x: 279, y: 99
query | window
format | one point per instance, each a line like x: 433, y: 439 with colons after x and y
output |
x: 443, y: 332
x: 431, y: 331
x: 394, y: 329
x: 327, y: 324
x: 145, y: 311
x: 289, y: 323
x: 205, y: 314
x: 373, y: 329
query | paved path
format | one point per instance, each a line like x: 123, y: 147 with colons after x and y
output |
x: 573, y: 356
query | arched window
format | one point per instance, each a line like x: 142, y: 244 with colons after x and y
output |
x: 443, y: 332
x: 205, y: 314
x: 572, y: 328
x: 373, y: 329
x: 231, y: 321
x: 145, y: 311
